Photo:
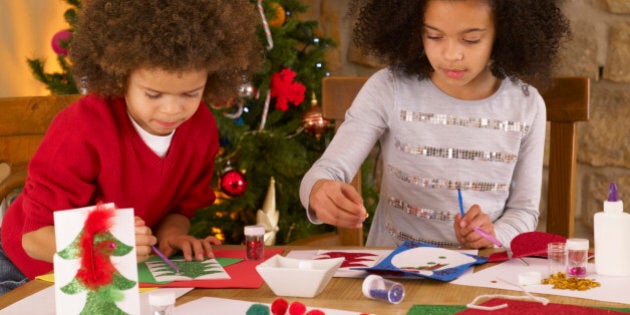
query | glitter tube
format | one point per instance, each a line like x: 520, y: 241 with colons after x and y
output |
x: 378, y: 288
x: 254, y: 242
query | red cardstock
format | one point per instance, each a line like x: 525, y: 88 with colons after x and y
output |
x: 242, y: 274
x: 528, y: 244
x: 535, y: 308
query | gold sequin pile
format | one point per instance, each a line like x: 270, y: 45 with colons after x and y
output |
x: 561, y: 282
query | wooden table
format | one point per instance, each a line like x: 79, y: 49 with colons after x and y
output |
x: 345, y: 294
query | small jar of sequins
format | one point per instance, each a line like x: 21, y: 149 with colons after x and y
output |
x: 254, y: 242
x: 378, y: 288
x: 577, y: 257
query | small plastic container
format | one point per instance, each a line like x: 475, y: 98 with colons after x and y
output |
x: 162, y: 303
x: 556, y: 257
x: 378, y: 288
x: 529, y: 278
x: 255, y: 242
x: 577, y: 257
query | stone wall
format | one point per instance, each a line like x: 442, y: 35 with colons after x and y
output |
x: 599, y: 49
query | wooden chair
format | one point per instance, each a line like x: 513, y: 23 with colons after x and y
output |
x: 23, y: 122
x: 567, y: 103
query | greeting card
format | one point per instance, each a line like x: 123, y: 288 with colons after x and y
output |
x: 95, y: 264
x: 155, y: 270
x: 426, y: 261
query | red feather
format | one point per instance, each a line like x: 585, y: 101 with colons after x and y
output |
x: 96, y: 268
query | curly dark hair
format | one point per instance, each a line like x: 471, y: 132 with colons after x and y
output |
x: 114, y: 37
x: 528, y: 36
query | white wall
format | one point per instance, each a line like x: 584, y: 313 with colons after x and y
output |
x: 26, y: 30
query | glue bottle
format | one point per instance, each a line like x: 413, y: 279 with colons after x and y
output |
x: 612, y: 237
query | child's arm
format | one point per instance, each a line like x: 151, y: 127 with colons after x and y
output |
x: 337, y: 203
x: 173, y: 235
x: 40, y: 244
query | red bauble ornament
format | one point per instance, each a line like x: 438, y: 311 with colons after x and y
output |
x: 233, y: 183
x: 313, y: 121
x: 59, y: 41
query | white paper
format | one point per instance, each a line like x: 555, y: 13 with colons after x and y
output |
x: 211, y: 305
x: 43, y: 302
x: 505, y: 276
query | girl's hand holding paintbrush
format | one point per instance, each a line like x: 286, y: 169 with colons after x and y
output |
x: 474, y: 229
x: 465, y: 228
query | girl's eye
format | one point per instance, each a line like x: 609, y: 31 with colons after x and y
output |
x: 192, y: 95
x: 471, y: 41
x: 152, y: 95
x: 433, y: 37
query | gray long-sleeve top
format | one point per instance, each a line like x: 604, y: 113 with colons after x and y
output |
x: 432, y: 144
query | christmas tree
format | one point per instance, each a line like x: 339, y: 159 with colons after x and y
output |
x: 274, y: 128
x: 60, y: 82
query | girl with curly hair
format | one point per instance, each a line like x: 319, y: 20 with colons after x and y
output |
x: 452, y: 111
x: 143, y: 137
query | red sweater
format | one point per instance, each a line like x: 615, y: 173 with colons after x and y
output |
x: 91, y: 152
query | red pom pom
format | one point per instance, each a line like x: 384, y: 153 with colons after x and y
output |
x: 315, y: 312
x: 279, y: 306
x: 297, y: 308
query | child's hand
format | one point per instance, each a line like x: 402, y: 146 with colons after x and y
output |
x: 464, y: 228
x: 144, y: 240
x: 189, y: 245
x: 338, y: 204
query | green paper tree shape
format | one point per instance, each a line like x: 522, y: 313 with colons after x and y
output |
x: 104, y: 296
x: 190, y: 269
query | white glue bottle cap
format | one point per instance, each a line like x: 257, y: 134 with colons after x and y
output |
x: 577, y: 244
x: 254, y: 230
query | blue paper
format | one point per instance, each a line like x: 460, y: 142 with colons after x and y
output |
x: 417, y: 259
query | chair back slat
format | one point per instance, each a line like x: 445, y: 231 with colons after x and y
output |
x: 568, y: 102
x: 23, y: 123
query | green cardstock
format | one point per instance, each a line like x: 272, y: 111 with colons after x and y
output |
x: 191, y: 269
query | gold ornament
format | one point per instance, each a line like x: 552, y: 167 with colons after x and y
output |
x: 269, y: 216
x: 313, y: 121
x: 280, y: 15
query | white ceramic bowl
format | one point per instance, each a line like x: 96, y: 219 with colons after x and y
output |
x: 298, y: 277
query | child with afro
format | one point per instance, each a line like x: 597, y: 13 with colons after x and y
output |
x: 143, y: 137
x: 456, y: 108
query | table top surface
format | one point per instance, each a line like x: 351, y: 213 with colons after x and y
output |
x: 346, y: 294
